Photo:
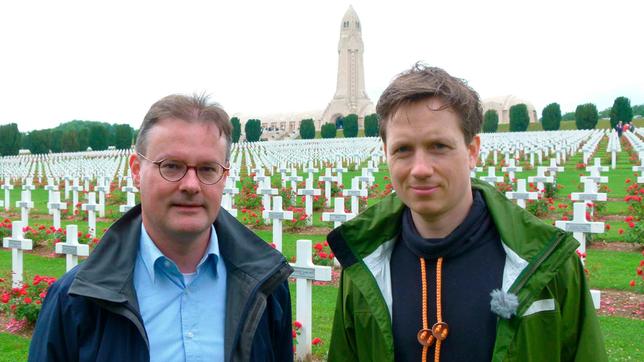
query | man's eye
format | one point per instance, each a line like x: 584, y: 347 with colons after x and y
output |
x: 402, y: 149
x: 168, y: 165
x: 209, y: 169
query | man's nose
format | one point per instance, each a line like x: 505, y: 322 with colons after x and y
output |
x: 422, y: 165
x: 190, y: 182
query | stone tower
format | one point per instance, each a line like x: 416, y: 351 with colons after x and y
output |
x: 350, y: 96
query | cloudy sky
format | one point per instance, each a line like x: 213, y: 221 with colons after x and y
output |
x: 110, y: 60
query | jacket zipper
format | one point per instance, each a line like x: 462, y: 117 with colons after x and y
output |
x: 536, y: 265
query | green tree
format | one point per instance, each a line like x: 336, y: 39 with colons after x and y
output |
x: 350, y: 125
x: 70, y: 140
x: 56, y: 141
x: 307, y: 129
x: 98, y: 137
x: 371, y: 126
x: 551, y: 117
x: 519, y: 118
x: 621, y: 111
x: 123, y: 136
x: 253, y: 129
x: 570, y: 116
x: 236, y: 129
x: 328, y: 130
x: 39, y: 141
x: 10, y: 139
x: 586, y: 116
x: 490, y: 121
x: 83, y: 139
x: 638, y: 110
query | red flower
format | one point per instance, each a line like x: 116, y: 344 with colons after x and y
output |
x: 316, y: 341
x: 323, y: 255
x: 297, y: 325
x: 27, y: 300
x: 632, y: 283
x: 629, y: 219
x: 5, y: 298
x: 631, y: 224
x: 628, y: 180
x: 318, y: 247
x: 620, y: 231
x: 607, y: 227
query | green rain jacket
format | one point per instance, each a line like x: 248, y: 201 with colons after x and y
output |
x: 555, y: 319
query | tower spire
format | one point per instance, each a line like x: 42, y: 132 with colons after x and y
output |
x: 350, y: 95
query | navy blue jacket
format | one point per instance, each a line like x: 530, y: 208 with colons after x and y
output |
x: 91, y: 313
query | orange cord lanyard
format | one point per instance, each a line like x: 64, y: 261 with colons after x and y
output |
x: 438, y: 333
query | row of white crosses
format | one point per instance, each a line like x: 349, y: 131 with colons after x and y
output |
x: 18, y: 244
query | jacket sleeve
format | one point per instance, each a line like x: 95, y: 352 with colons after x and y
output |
x: 54, y: 339
x: 342, y: 345
x: 585, y: 342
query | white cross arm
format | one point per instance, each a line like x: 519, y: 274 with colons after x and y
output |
x: 72, y: 249
x: 580, y: 227
x: 318, y: 273
x: 17, y: 243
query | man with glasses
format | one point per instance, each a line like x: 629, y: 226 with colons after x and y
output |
x: 176, y: 278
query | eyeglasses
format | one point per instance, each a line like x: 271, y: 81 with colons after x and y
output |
x: 172, y: 170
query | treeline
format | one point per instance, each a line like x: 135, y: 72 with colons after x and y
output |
x: 349, y: 127
x: 68, y: 137
x: 585, y: 116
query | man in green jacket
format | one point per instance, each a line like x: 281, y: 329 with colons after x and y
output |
x: 446, y: 268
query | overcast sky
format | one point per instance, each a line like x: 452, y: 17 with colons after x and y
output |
x: 110, y: 60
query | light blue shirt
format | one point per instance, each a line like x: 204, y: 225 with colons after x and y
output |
x: 183, y: 315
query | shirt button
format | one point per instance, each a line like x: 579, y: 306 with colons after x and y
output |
x: 189, y: 335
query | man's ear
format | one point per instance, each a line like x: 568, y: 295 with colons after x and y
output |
x: 473, y: 149
x: 135, y: 166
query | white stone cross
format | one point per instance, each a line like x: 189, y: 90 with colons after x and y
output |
x: 102, y: 187
x: 521, y: 194
x: 640, y: 169
x: 130, y: 190
x: 259, y: 175
x: 67, y: 186
x: 553, y: 168
x: 590, y: 193
x: 17, y: 243
x: 308, y: 193
x: 51, y: 187
x: 338, y: 216
x: 231, y: 190
x: 474, y: 170
x: 305, y: 273
x: 339, y: 170
x: 365, y: 178
x: 86, y: 180
x: 227, y: 204
x: 597, y: 166
x: 28, y: 185
x: 511, y: 168
x: 91, y: 207
x: 71, y: 247
x: 25, y: 204
x: 266, y: 191
x: 595, y: 177
x: 491, y: 177
x: 311, y: 170
x: 328, y: 179
x: 75, y: 190
x: 277, y: 214
x: 580, y: 226
x: 294, y: 178
x: 55, y: 205
x: 7, y: 187
x: 355, y: 192
x: 541, y: 178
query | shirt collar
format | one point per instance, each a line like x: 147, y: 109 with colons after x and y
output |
x: 150, y: 253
